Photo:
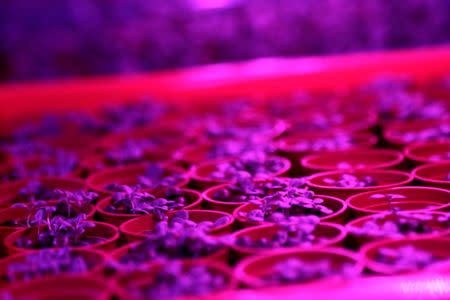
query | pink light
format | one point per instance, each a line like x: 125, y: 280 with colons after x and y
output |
x: 211, y: 4
x: 432, y: 286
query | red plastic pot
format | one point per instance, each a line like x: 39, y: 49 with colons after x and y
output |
x: 434, y: 174
x: 33, y: 163
x: 68, y: 287
x: 383, y: 179
x: 218, y: 205
x: 357, y: 241
x: 4, y: 158
x: 287, y: 145
x: 337, y: 205
x: 13, y: 213
x: 107, y: 231
x: 136, y: 280
x: 134, y: 229
x: 441, y: 268
x: 251, y: 270
x: 250, y: 126
x: 333, y: 235
x: 169, y: 137
x: 7, y: 214
x: 437, y: 246
x: 96, y: 162
x: 63, y: 139
x: 229, y: 206
x: 313, y: 119
x: 415, y: 198
x: 286, y: 104
x: 201, y: 173
x: 193, y: 198
x: 21, y: 213
x: 80, y: 145
x: 428, y: 152
x: 95, y: 260
x: 221, y: 256
x: 89, y: 210
x: 195, y: 154
x: 222, y: 106
x: 438, y: 89
x: 192, y: 155
x: 352, y: 159
x: 399, y: 134
x: 127, y: 175
x: 9, y: 191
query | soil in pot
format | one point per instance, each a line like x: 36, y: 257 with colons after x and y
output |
x: 299, y: 232
x: 64, y: 165
x: 228, y: 197
x: 352, y: 159
x: 132, y: 203
x: 405, y: 255
x: 50, y: 262
x: 270, y: 209
x: 177, y: 279
x: 400, y: 198
x: 405, y: 133
x: 257, y: 164
x: 69, y: 232
x: 257, y: 128
x: 297, y: 266
x: 174, y: 240
x: 145, y: 176
x: 37, y: 189
x: 343, y: 184
x: 295, y: 147
x: 195, y: 154
x: 396, y: 224
x: 428, y: 152
x: 434, y: 174
x: 217, y: 223
x: 124, y: 156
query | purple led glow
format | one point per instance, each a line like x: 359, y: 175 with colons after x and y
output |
x: 211, y: 4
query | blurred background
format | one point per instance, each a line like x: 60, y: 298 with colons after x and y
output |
x: 50, y: 39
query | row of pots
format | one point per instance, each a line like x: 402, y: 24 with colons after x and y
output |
x: 357, y: 197
x: 360, y: 142
x: 340, y: 117
x: 200, y: 173
x: 201, y: 179
x: 363, y: 207
x: 327, y: 233
x: 383, y: 179
x: 358, y: 203
x: 413, y: 155
x: 294, y: 148
x: 251, y: 272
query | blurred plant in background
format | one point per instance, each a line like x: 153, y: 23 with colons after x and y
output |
x: 65, y: 38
